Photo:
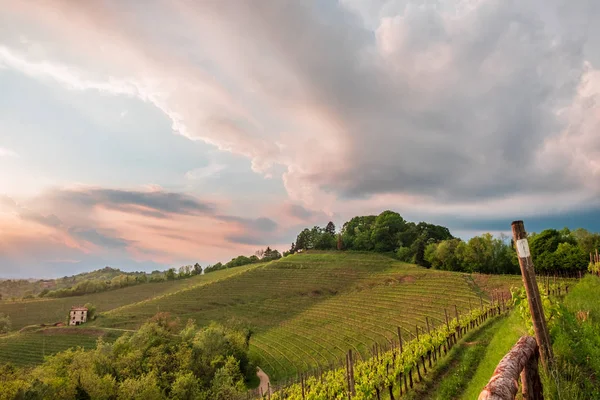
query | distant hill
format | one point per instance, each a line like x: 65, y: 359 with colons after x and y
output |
x: 18, y: 288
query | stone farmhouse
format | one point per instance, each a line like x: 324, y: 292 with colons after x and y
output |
x: 78, y: 315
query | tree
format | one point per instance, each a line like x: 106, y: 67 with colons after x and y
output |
x: 197, y: 269
x: 303, y: 240
x: 91, y: 314
x: 330, y: 228
x: 385, y: 230
x: 587, y: 241
x: 5, y: 324
x: 170, y: 274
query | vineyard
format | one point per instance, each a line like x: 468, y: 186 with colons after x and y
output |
x: 29, y: 348
x: 307, y: 310
x: 392, y: 371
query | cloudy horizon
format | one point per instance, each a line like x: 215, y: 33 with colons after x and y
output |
x: 182, y: 131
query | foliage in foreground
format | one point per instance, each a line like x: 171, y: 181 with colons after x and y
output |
x: 576, y: 344
x: 159, y: 361
x: 574, y: 325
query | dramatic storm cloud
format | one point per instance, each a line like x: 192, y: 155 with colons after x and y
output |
x: 226, y: 125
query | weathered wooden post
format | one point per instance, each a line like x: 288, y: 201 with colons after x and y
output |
x: 400, y: 340
x: 531, y: 384
x: 520, y: 360
x: 533, y: 294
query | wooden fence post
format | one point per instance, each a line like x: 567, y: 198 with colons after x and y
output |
x: 531, y: 384
x: 533, y: 294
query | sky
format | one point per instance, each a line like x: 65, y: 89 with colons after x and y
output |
x: 145, y: 135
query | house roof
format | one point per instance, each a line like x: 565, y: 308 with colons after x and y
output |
x: 79, y: 309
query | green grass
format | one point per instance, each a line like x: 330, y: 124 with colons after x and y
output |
x: 506, y: 333
x: 448, y: 379
x: 307, y: 310
x: 28, y: 349
x: 576, y: 345
x: 38, y: 311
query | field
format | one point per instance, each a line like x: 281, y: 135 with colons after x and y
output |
x: 305, y: 311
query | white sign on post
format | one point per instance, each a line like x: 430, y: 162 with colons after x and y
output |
x: 523, y: 248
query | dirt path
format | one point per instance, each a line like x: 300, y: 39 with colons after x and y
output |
x: 264, y: 381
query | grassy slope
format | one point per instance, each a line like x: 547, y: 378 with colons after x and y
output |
x: 38, y: 311
x: 307, y: 310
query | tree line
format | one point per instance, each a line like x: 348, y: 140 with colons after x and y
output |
x: 433, y: 246
x: 553, y: 251
x: 265, y: 255
x: 161, y: 360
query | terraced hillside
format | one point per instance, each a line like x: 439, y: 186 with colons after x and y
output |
x: 307, y: 310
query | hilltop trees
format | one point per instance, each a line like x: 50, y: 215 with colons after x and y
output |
x: 315, y: 238
x: 386, y: 232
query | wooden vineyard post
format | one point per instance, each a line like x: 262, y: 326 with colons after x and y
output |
x: 457, y: 323
x: 400, y: 340
x: 533, y: 294
x: 351, y: 361
x: 347, y: 376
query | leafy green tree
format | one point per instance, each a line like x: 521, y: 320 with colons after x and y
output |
x: 91, y: 314
x: 185, y: 387
x: 143, y: 387
x: 228, y: 383
x: 356, y: 233
x: 385, y: 231
x: 170, y: 274
x: 303, y: 240
x: 587, y: 241
x: 404, y: 254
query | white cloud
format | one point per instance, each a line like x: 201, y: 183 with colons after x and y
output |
x: 205, y: 172
x: 4, y: 152
x: 425, y: 108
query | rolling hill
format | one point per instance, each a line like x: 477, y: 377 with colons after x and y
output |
x: 305, y: 310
